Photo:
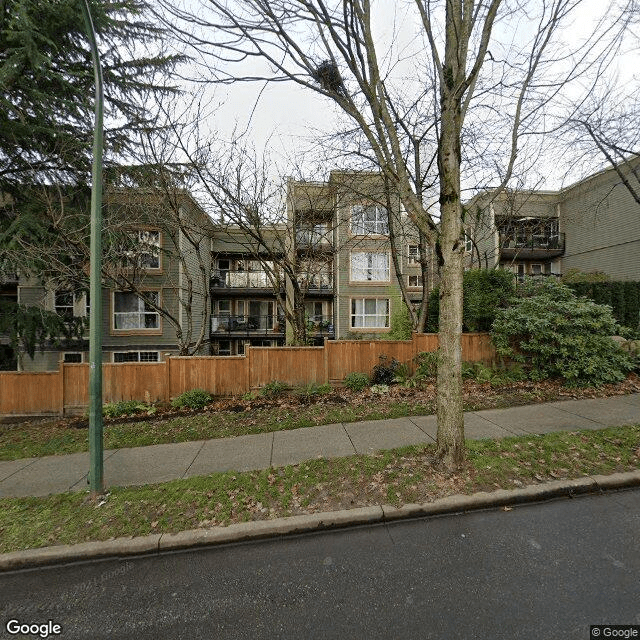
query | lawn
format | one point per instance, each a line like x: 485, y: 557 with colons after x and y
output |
x: 408, y: 475
x: 233, y: 417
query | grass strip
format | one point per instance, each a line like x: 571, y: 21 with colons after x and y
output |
x: 396, y: 477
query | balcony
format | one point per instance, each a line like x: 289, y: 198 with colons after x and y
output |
x: 241, y: 280
x: 531, y: 246
x: 317, y: 282
x: 248, y: 325
x: 316, y: 237
x: 320, y: 326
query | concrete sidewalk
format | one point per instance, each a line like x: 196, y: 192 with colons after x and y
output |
x: 163, y: 462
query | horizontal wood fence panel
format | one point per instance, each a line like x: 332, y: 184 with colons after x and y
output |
x: 347, y: 356
x: 52, y: 392
x: 219, y: 375
x: 26, y: 393
x: 144, y: 381
x: 291, y: 365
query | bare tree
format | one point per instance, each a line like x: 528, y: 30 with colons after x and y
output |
x: 333, y: 48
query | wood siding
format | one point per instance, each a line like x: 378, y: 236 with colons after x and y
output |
x: 67, y: 389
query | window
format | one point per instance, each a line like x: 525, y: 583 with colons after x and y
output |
x: 415, y: 281
x: 136, y: 356
x: 64, y: 304
x: 132, y: 312
x: 413, y: 254
x: 369, y: 219
x: 369, y: 267
x: 468, y: 242
x: 311, y: 235
x: 536, y: 269
x: 369, y: 313
x: 224, y: 347
x: 68, y: 304
x: 72, y: 358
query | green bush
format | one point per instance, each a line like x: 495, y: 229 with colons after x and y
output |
x: 274, y: 389
x: 484, y: 292
x: 427, y: 364
x: 126, y: 408
x: 556, y: 334
x: 194, y: 399
x: 493, y: 375
x: 356, y: 381
x: 384, y: 372
x: 313, y: 389
x: 401, y: 324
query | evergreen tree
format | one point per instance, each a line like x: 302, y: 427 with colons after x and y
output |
x: 47, y: 86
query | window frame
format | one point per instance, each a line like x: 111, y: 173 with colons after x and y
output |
x: 157, y: 330
x: 418, y: 277
x: 139, y: 353
x: 373, y: 328
x: 361, y: 230
x: 369, y: 269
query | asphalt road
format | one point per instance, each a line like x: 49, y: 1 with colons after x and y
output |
x: 542, y: 571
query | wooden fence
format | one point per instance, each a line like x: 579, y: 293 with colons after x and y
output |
x: 66, y: 390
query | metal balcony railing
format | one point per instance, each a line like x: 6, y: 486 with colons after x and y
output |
x: 241, y: 280
x: 318, y: 237
x: 322, y: 280
x: 533, y: 241
x: 251, y: 325
x: 247, y: 324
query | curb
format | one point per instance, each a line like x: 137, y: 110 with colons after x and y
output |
x: 247, y: 531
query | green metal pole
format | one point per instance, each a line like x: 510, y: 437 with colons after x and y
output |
x: 96, y: 462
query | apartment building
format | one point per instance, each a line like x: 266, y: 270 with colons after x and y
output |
x: 592, y: 225
x: 331, y: 259
x: 155, y: 297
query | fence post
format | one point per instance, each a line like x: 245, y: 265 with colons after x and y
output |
x: 325, y: 354
x: 61, y: 386
x: 247, y: 377
x: 167, y: 378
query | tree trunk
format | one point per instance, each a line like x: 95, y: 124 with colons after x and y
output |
x: 450, y: 442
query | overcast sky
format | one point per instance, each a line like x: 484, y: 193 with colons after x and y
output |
x: 285, y: 117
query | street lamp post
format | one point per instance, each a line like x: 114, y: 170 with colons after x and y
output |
x: 96, y: 465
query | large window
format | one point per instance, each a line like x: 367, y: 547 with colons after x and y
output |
x: 369, y: 313
x: 369, y: 267
x: 369, y: 219
x: 132, y: 312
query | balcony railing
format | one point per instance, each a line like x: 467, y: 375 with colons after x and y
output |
x: 320, y: 325
x: 247, y: 324
x: 318, y: 237
x: 531, y: 245
x: 257, y: 325
x: 533, y: 241
x: 241, y: 280
x: 322, y: 280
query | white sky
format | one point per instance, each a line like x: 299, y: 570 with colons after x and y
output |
x: 283, y: 115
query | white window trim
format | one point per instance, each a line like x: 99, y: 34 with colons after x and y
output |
x: 143, y: 329
x: 139, y: 352
x: 380, y: 220
x: 387, y: 271
x: 353, y: 315
x: 413, y: 259
x: 414, y: 286
x: 72, y: 353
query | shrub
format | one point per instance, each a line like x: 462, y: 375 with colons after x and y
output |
x: 484, y: 292
x: 194, y: 399
x: 126, y: 408
x: 313, y: 389
x: 356, y: 381
x: 427, y: 364
x: 401, y: 324
x: 384, y: 373
x: 273, y: 389
x: 493, y: 375
x: 555, y: 334
x: 379, y: 389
